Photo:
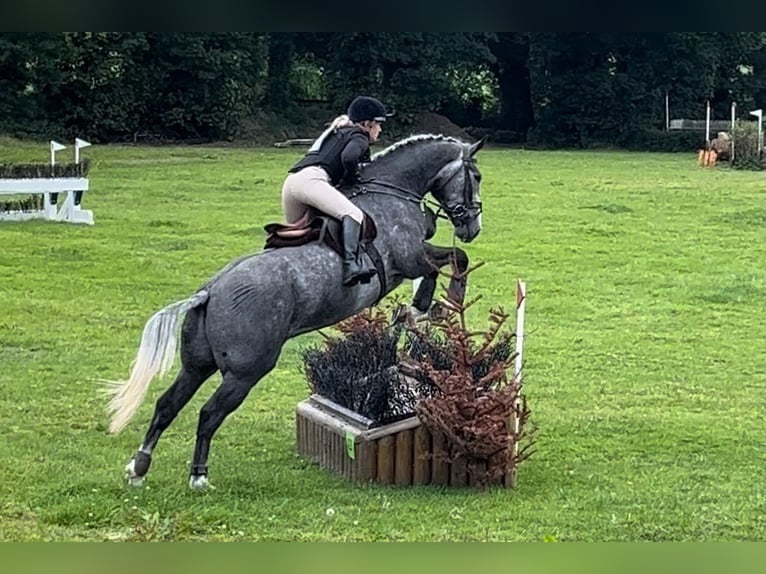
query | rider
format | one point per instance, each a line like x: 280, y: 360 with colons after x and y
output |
x: 334, y: 160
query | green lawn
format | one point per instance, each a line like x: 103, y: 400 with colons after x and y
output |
x: 645, y: 370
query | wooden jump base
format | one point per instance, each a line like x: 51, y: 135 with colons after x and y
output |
x: 403, y: 453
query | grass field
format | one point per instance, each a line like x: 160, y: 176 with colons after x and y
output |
x: 645, y: 370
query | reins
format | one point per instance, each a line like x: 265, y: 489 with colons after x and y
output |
x: 403, y: 193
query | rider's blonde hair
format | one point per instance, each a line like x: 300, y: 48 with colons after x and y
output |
x: 341, y: 122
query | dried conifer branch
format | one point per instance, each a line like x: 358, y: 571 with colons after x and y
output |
x: 457, y: 381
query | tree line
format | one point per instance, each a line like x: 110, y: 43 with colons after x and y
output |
x: 545, y: 88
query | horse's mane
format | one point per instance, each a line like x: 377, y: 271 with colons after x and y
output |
x: 412, y: 140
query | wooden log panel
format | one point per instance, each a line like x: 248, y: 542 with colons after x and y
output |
x: 326, y: 443
x: 440, y: 467
x: 495, y: 461
x: 366, y: 461
x: 386, y: 449
x: 318, y: 450
x: 345, y: 460
x: 477, y: 472
x: 308, y: 429
x: 312, y: 429
x: 458, y: 475
x: 299, y: 432
x: 421, y: 456
x: 305, y: 428
x: 402, y: 453
x: 338, y: 454
x: 403, y: 458
x: 332, y: 451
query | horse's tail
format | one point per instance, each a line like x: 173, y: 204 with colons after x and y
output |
x: 154, y: 358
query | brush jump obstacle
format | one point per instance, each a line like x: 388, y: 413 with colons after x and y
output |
x: 416, y: 449
x: 44, y: 183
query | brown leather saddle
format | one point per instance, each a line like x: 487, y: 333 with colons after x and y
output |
x: 314, y: 227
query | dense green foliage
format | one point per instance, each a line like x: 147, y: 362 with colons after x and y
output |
x: 643, y: 358
x: 746, y: 153
x: 554, y: 88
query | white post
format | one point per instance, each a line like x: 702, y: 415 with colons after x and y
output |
x: 55, y: 146
x: 759, y: 115
x: 50, y: 199
x: 515, y: 422
x: 707, y: 126
x: 667, y: 112
x: 78, y: 143
x: 731, y: 139
x: 521, y: 303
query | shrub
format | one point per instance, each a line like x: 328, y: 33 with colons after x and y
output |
x: 663, y: 141
x: 746, y: 152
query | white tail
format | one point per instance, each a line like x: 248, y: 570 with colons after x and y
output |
x: 154, y: 358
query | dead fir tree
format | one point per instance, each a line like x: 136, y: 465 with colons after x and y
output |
x: 479, y: 405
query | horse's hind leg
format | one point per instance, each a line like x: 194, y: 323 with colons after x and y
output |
x: 187, y: 382
x: 236, y: 385
x: 197, y: 365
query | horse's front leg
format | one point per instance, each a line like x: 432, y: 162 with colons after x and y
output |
x: 440, y: 258
x: 437, y: 258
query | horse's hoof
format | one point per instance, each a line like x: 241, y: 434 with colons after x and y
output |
x: 131, y: 476
x: 438, y: 312
x: 141, y: 462
x: 401, y: 314
x: 136, y: 481
x: 199, y: 482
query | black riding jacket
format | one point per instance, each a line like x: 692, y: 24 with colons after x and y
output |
x: 340, y: 154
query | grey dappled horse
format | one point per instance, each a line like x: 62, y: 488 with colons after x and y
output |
x: 238, y: 321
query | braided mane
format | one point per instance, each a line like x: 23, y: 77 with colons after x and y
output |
x: 411, y: 140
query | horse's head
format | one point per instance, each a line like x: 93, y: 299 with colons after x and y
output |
x: 456, y: 188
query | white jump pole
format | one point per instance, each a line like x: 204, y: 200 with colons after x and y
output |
x: 667, y: 112
x: 515, y: 421
x: 78, y: 144
x: 55, y: 146
x: 733, y: 120
x: 521, y: 303
x: 707, y: 126
x: 759, y: 115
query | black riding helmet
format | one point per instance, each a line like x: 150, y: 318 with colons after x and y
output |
x: 367, y: 108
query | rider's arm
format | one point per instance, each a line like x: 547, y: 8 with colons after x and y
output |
x: 356, y: 150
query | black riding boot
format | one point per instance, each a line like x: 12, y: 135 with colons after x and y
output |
x: 353, y: 270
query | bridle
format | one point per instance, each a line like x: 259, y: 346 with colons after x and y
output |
x: 460, y: 213
x: 457, y: 213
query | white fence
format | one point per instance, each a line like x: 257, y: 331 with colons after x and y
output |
x: 68, y: 211
x: 50, y: 188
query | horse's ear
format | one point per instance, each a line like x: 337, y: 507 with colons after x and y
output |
x: 477, y: 146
